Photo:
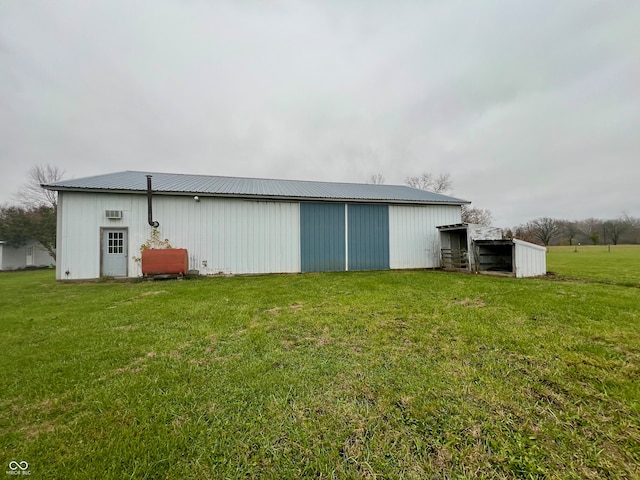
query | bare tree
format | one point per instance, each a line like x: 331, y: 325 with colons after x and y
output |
x: 632, y: 232
x: 32, y: 194
x: 478, y: 216
x: 523, y: 232
x: 440, y: 184
x: 570, y: 229
x: 631, y: 221
x: 376, y: 179
x: 613, y: 229
x: 591, y: 228
x: 544, y: 229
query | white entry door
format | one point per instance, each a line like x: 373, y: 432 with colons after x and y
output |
x: 29, y: 260
x: 114, y: 253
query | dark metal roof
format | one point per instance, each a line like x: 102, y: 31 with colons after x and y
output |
x: 205, y: 185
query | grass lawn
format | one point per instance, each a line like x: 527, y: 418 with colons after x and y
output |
x: 413, y: 374
x: 619, y: 264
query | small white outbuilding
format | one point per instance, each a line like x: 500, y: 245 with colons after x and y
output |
x: 30, y: 255
x: 481, y: 249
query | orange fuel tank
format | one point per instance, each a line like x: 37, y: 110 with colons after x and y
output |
x: 165, y: 261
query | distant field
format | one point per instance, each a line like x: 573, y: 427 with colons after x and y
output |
x: 415, y: 374
x: 611, y: 264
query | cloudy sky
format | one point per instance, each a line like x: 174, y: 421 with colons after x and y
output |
x: 533, y: 107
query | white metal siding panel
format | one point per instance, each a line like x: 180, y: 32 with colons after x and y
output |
x: 414, y: 240
x: 230, y: 235
x: 59, y: 245
x: 531, y: 259
x: 80, y: 217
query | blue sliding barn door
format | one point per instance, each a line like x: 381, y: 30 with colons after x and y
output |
x: 368, y: 237
x: 322, y: 237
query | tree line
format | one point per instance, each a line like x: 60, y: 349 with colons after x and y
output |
x: 545, y: 231
x: 591, y: 231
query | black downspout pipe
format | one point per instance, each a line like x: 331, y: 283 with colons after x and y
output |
x: 149, y: 205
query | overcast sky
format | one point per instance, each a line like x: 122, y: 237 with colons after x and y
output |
x: 533, y: 107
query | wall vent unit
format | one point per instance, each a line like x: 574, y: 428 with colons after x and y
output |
x: 114, y: 214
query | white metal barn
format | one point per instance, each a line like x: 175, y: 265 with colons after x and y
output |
x: 481, y: 249
x: 244, y: 225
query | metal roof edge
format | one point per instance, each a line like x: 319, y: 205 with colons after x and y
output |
x: 282, y: 198
x: 529, y: 244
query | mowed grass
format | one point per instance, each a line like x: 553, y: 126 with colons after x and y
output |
x: 414, y: 374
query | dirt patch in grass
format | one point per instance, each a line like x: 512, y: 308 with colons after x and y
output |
x: 135, y: 298
x: 34, y: 431
x: 296, y: 307
x: 127, y: 328
x: 137, y: 365
x: 308, y: 341
x: 470, y: 302
x: 44, y: 416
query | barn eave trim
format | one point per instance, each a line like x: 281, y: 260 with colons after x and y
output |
x: 244, y: 196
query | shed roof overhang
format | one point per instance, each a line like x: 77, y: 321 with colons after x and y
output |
x: 506, y: 241
x: 453, y: 227
x: 511, y: 241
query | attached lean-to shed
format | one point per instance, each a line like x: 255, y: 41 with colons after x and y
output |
x: 481, y: 249
x: 246, y: 225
